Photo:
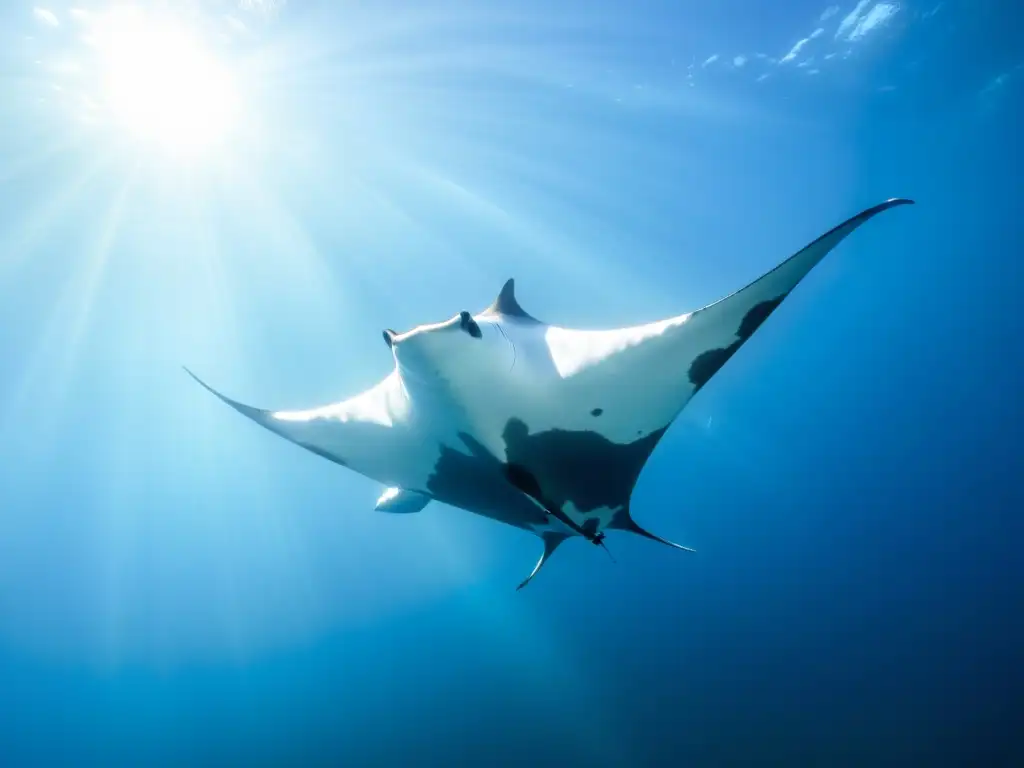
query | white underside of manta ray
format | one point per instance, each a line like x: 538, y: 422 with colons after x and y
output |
x: 537, y: 426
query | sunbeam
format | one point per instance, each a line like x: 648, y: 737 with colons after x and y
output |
x: 161, y: 84
x: 36, y: 222
x: 48, y: 374
x: 267, y: 192
x: 156, y: 79
x: 87, y: 288
x: 25, y: 163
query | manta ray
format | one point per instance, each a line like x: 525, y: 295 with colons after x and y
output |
x: 535, y: 425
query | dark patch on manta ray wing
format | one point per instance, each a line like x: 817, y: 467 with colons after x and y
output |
x: 523, y: 479
x: 583, y: 467
x: 708, y: 363
x: 756, y: 316
x: 478, y: 483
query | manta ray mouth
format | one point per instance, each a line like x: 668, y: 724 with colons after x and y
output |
x: 511, y: 343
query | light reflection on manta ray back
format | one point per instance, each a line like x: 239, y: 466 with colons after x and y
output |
x: 421, y: 352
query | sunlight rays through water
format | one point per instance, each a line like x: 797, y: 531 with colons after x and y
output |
x: 33, y: 226
x: 43, y: 385
x: 256, y: 188
x: 384, y: 172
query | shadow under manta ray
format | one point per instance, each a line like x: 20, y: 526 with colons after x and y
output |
x: 535, y: 425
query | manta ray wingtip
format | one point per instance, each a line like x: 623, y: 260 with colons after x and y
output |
x: 195, y: 378
x: 208, y: 388
x: 625, y: 522
x: 258, y: 415
x: 892, y: 202
x: 551, y: 543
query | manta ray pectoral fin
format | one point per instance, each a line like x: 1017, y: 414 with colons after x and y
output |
x: 623, y: 521
x: 267, y: 420
x: 718, y: 330
x: 368, y: 428
x: 399, y: 501
x: 634, y: 381
x: 551, y: 543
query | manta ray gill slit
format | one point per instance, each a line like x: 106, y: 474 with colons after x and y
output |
x: 511, y: 343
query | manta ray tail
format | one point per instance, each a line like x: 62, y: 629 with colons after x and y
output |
x: 551, y: 542
x: 623, y: 521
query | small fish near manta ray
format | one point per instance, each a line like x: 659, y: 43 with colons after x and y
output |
x: 535, y: 425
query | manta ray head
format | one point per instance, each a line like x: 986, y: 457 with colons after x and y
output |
x: 463, y: 347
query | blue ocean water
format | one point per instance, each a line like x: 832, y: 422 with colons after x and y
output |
x: 178, y: 587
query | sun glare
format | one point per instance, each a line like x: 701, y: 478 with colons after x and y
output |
x: 161, y: 84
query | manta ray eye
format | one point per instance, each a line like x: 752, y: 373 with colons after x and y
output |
x: 469, y: 325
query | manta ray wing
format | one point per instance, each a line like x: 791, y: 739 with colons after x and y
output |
x: 596, y: 403
x: 551, y: 543
x: 368, y: 433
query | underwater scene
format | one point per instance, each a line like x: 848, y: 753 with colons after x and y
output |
x: 465, y: 383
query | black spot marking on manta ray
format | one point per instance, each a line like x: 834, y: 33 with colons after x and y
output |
x: 554, y: 467
x: 520, y: 477
x: 597, y: 412
x: 590, y: 527
x: 708, y: 363
x: 524, y: 480
x: 621, y: 519
x: 478, y: 483
x: 581, y: 467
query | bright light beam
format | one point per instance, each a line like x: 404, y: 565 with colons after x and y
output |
x: 161, y: 84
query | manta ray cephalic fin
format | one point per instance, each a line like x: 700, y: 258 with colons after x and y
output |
x: 506, y: 305
x: 400, y: 501
x: 551, y: 543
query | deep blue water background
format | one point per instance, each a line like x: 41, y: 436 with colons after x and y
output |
x: 178, y: 587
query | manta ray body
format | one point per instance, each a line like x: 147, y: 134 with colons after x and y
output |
x: 538, y: 426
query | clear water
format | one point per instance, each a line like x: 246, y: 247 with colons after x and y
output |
x: 179, y: 587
